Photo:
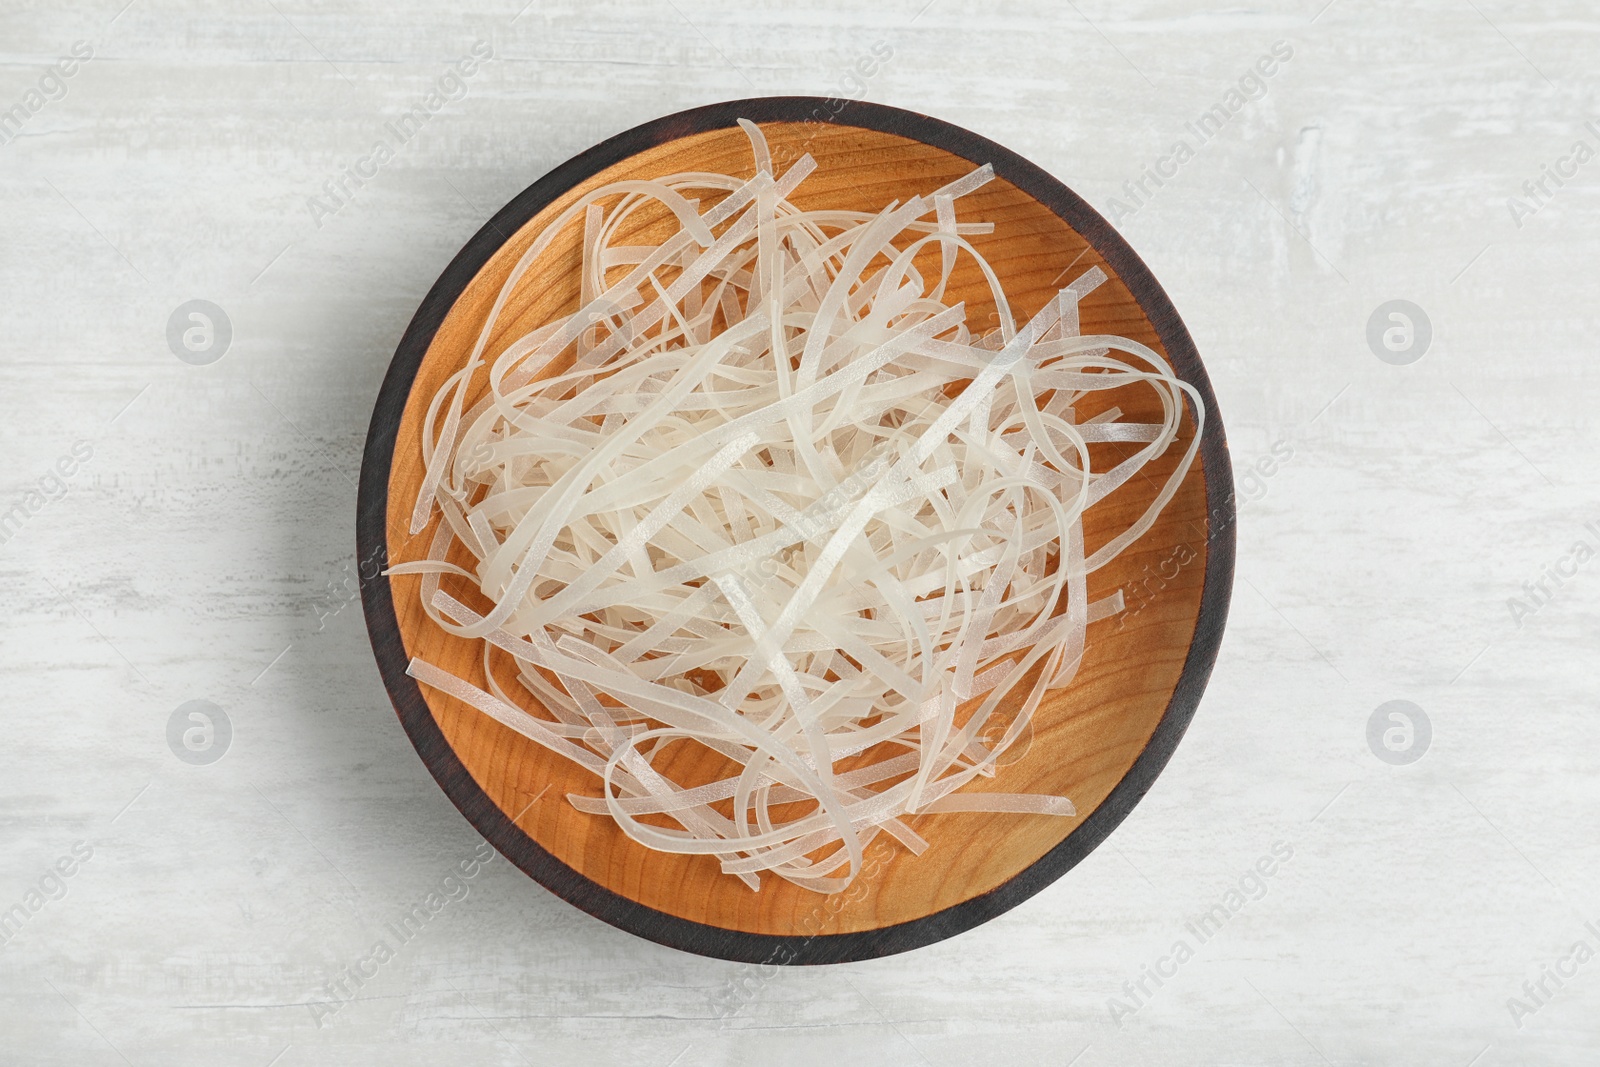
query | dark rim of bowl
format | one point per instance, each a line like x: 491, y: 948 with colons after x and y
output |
x: 661, y: 927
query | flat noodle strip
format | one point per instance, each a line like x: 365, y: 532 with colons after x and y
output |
x: 783, y: 510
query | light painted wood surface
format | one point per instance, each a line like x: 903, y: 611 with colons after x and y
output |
x: 202, y: 551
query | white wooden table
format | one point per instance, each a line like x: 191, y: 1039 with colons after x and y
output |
x: 183, y: 531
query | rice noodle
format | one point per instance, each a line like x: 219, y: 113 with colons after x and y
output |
x: 765, y: 493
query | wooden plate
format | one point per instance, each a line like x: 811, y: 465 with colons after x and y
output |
x: 1100, y: 742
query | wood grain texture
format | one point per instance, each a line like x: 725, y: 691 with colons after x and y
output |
x: 209, y: 531
x: 1098, y: 742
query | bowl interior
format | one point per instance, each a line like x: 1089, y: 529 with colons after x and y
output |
x: 1085, y: 736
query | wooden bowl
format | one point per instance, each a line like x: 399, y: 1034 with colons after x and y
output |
x: 1101, y: 742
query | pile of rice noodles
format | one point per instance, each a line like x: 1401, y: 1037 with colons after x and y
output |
x: 766, y: 492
